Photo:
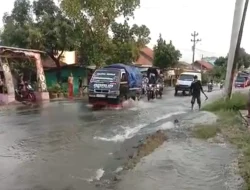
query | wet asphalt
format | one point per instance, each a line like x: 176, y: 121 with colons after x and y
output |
x: 66, y: 145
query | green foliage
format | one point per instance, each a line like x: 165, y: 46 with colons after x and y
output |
x: 18, y: 67
x: 81, y: 25
x: 165, y: 55
x: 46, y: 28
x: 205, y: 77
x: 55, y: 88
x: 127, y: 41
x: 40, y: 26
x: 237, y: 102
x: 221, y: 62
x: 93, y: 19
x: 219, y: 71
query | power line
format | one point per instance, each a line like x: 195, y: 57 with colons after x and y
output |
x: 195, y: 41
x: 205, y: 51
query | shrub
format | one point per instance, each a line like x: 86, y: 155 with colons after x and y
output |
x: 55, y: 88
x: 237, y: 102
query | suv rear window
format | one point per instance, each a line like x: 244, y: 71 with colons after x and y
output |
x: 186, y: 77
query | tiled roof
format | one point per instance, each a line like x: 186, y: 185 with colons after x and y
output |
x: 146, y: 56
x: 205, y: 64
x: 149, y: 52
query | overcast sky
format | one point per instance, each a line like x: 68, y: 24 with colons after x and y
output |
x: 177, y: 19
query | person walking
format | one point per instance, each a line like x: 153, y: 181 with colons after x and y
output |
x: 80, y: 87
x: 71, y: 85
x: 1, y: 86
x: 196, y: 89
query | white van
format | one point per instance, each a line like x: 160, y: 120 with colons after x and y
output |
x: 185, y: 80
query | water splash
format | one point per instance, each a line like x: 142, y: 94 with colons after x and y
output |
x: 129, y: 132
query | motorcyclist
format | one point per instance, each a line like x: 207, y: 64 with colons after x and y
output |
x: 196, y: 89
x: 221, y: 84
x: 21, y: 86
x: 152, y: 79
x: 145, y: 79
x: 210, y: 85
x: 144, y: 83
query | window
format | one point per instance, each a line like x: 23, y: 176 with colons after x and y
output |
x: 105, y: 75
x: 240, y: 79
x: 186, y: 77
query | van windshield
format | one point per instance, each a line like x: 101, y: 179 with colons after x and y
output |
x: 185, y: 77
x: 106, y: 75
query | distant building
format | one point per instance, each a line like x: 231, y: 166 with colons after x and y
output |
x: 146, y: 57
x: 202, y: 65
x: 210, y: 59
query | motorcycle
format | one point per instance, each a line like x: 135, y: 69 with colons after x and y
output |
x: 159, y: 90
x: 144, y: 88
x: 27, y: 95
x: 221, y: 85
x: 210, y: 87
x: 151, y: 92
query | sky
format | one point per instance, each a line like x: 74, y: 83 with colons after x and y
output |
x: 177, y: 19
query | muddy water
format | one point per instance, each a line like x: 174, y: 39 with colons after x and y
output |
x: 187, y: 164
x: 64, y: 145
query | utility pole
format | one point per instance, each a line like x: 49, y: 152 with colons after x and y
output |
x: 237, y: 31
x: 201, y: 64
x: 236, y: 57
x: 195, y: 41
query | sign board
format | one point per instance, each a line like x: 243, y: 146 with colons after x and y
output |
x: 171, y: 73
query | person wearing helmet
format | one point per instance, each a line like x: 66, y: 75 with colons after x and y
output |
x: 196, y: 89
x: 152, y: 78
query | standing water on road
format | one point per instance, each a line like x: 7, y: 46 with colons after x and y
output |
x: 184, y: 164
x: 65, y: 145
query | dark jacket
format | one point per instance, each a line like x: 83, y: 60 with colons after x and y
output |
x: 196, y: 88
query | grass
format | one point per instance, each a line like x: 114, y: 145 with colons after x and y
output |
x: 231, y: 127
x: 205, y: 131
x: 148, y: 146
x: 237, y: 102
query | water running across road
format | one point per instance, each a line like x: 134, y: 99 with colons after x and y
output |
x: 64, y: 145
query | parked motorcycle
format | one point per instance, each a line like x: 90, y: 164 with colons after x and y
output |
x: 210, y: 87
x: 25, y: 95
x: 159, y: 90
x: 151, y: 92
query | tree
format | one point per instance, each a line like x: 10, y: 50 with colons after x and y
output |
x: 244, y: 59
x: 127, y: 42
x: 221, y: 62
x: 94, y: 18
x: 165, y: 55
x: 16, y: 25
x: 49, y: 31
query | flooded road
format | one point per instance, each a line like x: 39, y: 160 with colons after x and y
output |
x: 65, y: 145
x: 184, y: 164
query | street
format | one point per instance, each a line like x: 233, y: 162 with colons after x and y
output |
x: 66, y: 145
